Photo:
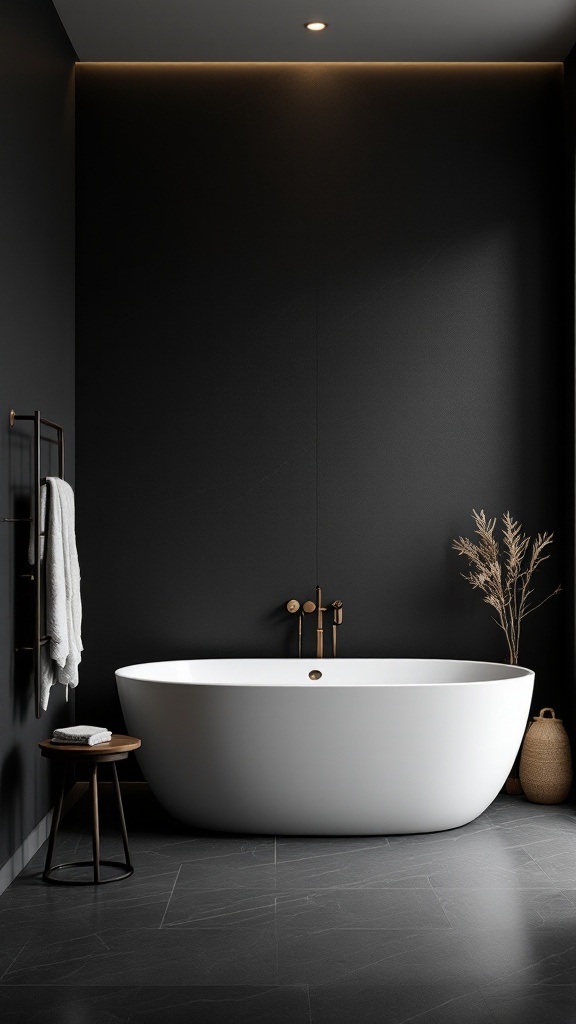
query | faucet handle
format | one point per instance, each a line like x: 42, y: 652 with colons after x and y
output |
x: 337, y: 608
x: 309, y: 607
x: 293, y: 606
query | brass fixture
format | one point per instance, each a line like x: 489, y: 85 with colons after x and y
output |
x: 315, y: 674
x: 294, y: 606
x: 337, y: 621
x: 308, y: 608
x: 319, y: 624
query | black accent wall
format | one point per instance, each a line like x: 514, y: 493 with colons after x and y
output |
x: 37, y: 361
x: 321, y: 318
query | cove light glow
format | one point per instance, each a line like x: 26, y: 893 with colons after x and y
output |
x: 315, y: 26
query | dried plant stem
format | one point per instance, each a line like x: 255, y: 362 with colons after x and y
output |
x: 505, y: 582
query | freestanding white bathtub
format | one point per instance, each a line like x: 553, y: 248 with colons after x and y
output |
x: 372, y: 747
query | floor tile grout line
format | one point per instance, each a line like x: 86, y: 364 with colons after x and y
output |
x: 295, y: 890
x: 169, y: 898
x: 122, y: 903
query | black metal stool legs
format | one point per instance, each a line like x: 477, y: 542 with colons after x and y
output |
x: 121, y: 815
x: 55, y: 823
x: 95, y: 823
x: 96, y: 862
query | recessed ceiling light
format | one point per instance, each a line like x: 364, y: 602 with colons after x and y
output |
x: 315, y: 26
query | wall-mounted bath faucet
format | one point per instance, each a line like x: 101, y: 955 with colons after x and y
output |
x: 308, y: 608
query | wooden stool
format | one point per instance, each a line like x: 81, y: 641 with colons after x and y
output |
x: 117, y: 749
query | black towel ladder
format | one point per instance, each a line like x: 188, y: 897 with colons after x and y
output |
x: 39, y: 640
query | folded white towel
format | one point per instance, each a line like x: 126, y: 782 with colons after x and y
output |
x: 60, y: 662
x: 89, y: 735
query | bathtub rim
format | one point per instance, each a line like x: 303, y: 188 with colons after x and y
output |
x: 513, y: 673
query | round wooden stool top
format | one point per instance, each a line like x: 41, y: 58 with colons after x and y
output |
x: 115, y: 749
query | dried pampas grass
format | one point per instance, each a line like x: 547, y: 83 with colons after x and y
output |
x: 505, y: 581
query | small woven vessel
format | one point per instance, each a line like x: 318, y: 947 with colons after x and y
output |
x: 545, y: 762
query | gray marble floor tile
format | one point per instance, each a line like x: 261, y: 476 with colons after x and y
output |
x: 517, y: 808
x: 239, y: 869
x: 570, y: 895
x: 303, y: 912
x: 11, y: 946
x: 453, y: 961
x: 378, y: 867
x: 290, y: 848
x: 502, y: 837
x: 30, y: 883
x: 479, y: 824
x: 544, y: 990
x: 150, y: 1005
x: 148, y: 863
x: 315, y: 912
x: 368, y: 956
x: 476, y: 925
x: 468, y: 1009
x: 29, y: 890
x: 492, y: 865
x: 163, y: 854
x: 341, y: 1004
x: 556, y: 855
x: 39, y: 908
x: 530, y: 1006
x: 352, y: 1003
x: 26, y: 1004
x: 423, y: 978
x: 219, y: 908
x: 151, y: 957
x: 231, y: 1005
x: 487, y: 842
x: 191, y: 849
x: 512, y: 867
x: 513, y: 909
x: 521, y: 960
x: 559, y: 819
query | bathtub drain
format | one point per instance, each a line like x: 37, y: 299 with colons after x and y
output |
x: 315, y: 675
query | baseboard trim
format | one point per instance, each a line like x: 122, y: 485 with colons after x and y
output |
x: 19, y: 859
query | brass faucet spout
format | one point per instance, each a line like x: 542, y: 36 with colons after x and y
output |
x: 319, y: 624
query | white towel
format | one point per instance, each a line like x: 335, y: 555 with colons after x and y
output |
x: 88, y: 735
x: 62, y: 572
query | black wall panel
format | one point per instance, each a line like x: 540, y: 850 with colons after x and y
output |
x: 320, y: 320
x: 36, y: 362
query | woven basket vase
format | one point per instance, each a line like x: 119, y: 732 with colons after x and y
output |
x: 545, y: 762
